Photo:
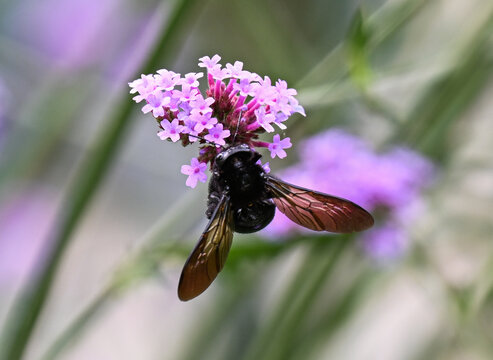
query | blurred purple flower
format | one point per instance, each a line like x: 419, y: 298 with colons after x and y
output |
x: 25, y: 220
x: 388, y: 241
x: 390, y: 184
x: 107, y: 35
x: 73, y: 33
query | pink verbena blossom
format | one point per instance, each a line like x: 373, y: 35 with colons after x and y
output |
x: 201, y: 104
x: 171, y: 130
x: 144, y: 86
x: 264, y: 120
x: 191, y: 79
x: 236, y: 70
x: 209, y: 63
x: 244, y: 87
x: 236, y: 108
x: 389, y: 184
x: 166, y: 80
x: 156, y: 101
x: 265, y: 166
x: 277, y: 147
x: 202, y: 121
x: 195, y: 172
x: 217, y: 135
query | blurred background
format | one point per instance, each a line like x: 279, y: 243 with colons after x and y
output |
x: 96, y: 221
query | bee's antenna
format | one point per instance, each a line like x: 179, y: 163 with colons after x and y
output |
x: 207, y: 141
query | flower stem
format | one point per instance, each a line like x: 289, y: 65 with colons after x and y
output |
x: 126, y: 274
x: 79, y: 324
x: 309, y: 278
x: 23, y: 316
x: 330, y: 321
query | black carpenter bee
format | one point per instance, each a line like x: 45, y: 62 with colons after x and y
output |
x: 243, y: 198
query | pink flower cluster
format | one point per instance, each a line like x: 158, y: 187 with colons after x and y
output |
x: 237, y: 107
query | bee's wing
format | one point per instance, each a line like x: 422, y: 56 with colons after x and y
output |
x: 318, y: 211
x: 209, y: 255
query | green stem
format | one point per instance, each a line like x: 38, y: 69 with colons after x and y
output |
x: 384, y: 24
x: 79, y: 324
x: 27, y: 307
x: 125, y: 274
x: 332, y: 320
x: 277, y: 332
x: 442, y: 103
x: 223, y: 318
x: 379, y: 107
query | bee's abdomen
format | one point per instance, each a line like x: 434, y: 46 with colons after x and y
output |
x: 254, y: 216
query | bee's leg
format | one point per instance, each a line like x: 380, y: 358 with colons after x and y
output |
x: 212, y: 202
x: 214, y: 197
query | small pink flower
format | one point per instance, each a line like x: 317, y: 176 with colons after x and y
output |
x: 282, y: 105
x: 202, y: 105
x: 250, y: 76
x: 190, y: 122
x: 217, y: 135
x: 244, y: 87
x: 195, y: 171
x: 218, y: 73
x: 192, y: 79
x: 265, y: 166
x: 209, y: 63
x: 202, y: 121
x: 278, y: 146
x: 280, y: 118
x: 299, y: 109
x: 167, y: 80
x: 264, y: 119
x: 171, y: 130
x: 282, y: 89
x: 236, y: 70
x: 155, y: 103
x: 144, y: 86
x: 175, y: 102
x: 187, y: 93
x: 264, y: 92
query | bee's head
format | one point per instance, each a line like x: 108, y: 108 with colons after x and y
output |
x: 242, y: 153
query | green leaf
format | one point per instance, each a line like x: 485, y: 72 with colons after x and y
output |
x: 357, y: 49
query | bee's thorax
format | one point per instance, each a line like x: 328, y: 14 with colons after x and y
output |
x: 237, y: 174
